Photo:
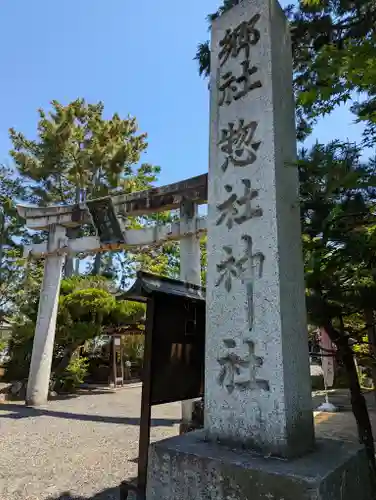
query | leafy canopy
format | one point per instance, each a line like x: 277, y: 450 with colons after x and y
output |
x: 79, y: 154
x: 334, y: 58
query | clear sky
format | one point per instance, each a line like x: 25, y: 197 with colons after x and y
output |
x: 135, y: 56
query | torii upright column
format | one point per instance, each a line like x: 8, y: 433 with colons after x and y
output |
x: 190, y: 270
x: 41, y: 359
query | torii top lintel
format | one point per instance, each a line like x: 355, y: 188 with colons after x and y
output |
x: 158, y: 199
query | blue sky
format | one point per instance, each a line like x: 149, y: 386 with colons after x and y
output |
x: 137, y: 57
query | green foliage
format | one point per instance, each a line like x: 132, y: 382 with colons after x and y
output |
x: 20, y: 349
x: 81, y: 315
x: 74, y: 375
x: 87, y: 303
x: 75, y: 283
x: 86, y: 307
x: 334, y: 49
x: 363, y: 380
x: 126, y: 312
x: 164, y: 261
x: 84, y: 312
x: 133, y: 346
x: 26, y: 299
x: 203, y: 49
x: 10, y: 229
x: 3, y: 344
x: 339, y: 234
x: 334, y: 57
x: 78, y: 154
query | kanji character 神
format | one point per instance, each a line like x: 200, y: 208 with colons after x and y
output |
x: 244, y: 269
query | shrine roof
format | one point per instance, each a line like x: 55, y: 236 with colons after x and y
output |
x: 147, y: 284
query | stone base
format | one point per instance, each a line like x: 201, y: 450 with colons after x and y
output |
x: 188, y: 467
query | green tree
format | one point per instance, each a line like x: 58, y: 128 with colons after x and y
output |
x: 162, y: 260
x: 334, y: 58
x: 203, y: 49
x: 86, y: 306
x: 337, y: 192
x: 24, y: 317
x: 165, y: 260
x: 11, y: 232
x: 78, y: 155
x: 334, y: 53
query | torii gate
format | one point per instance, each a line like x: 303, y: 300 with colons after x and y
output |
x: 104, y: 214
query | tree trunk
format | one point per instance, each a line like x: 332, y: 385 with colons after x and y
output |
x: 65, y: 360
x: 358, y: 402
x: 97, y: 264
x: 371, y: 331
x: 68, y: 268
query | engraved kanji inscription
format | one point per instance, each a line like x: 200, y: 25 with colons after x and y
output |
x: 238, y: 209
x: 254, y: 266
x: 234, y: 88
x: 242, y: 37
x: 249, y: 267
x: 239, y: 144
x: 228, y: 269
x: 240, y: 373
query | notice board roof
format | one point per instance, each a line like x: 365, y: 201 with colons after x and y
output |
x: 147, y: 284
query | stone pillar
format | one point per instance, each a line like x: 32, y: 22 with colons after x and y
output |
x: 190, y: 270
x: 257, y: 387
x: 41, y: 359
x: 258, y: 441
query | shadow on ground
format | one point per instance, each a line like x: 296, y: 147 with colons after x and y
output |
x: 64, y: 397
x: 92, y: 390
x: 81, y: 392
x: 108, y: 494
x: 19, y: 411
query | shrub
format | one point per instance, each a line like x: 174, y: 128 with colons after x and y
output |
x: 19, y: 351
x: 3, y: 345
x: 133, y: 346
x: 74, y: 375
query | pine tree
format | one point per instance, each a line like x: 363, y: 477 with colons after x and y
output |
x: 334, y: 59
x: 11, y: 232
x: 337, y: 193
x: 79, y: 155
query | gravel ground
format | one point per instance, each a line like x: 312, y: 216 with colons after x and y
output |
x: 76, y: 448
x: 82, y: 448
